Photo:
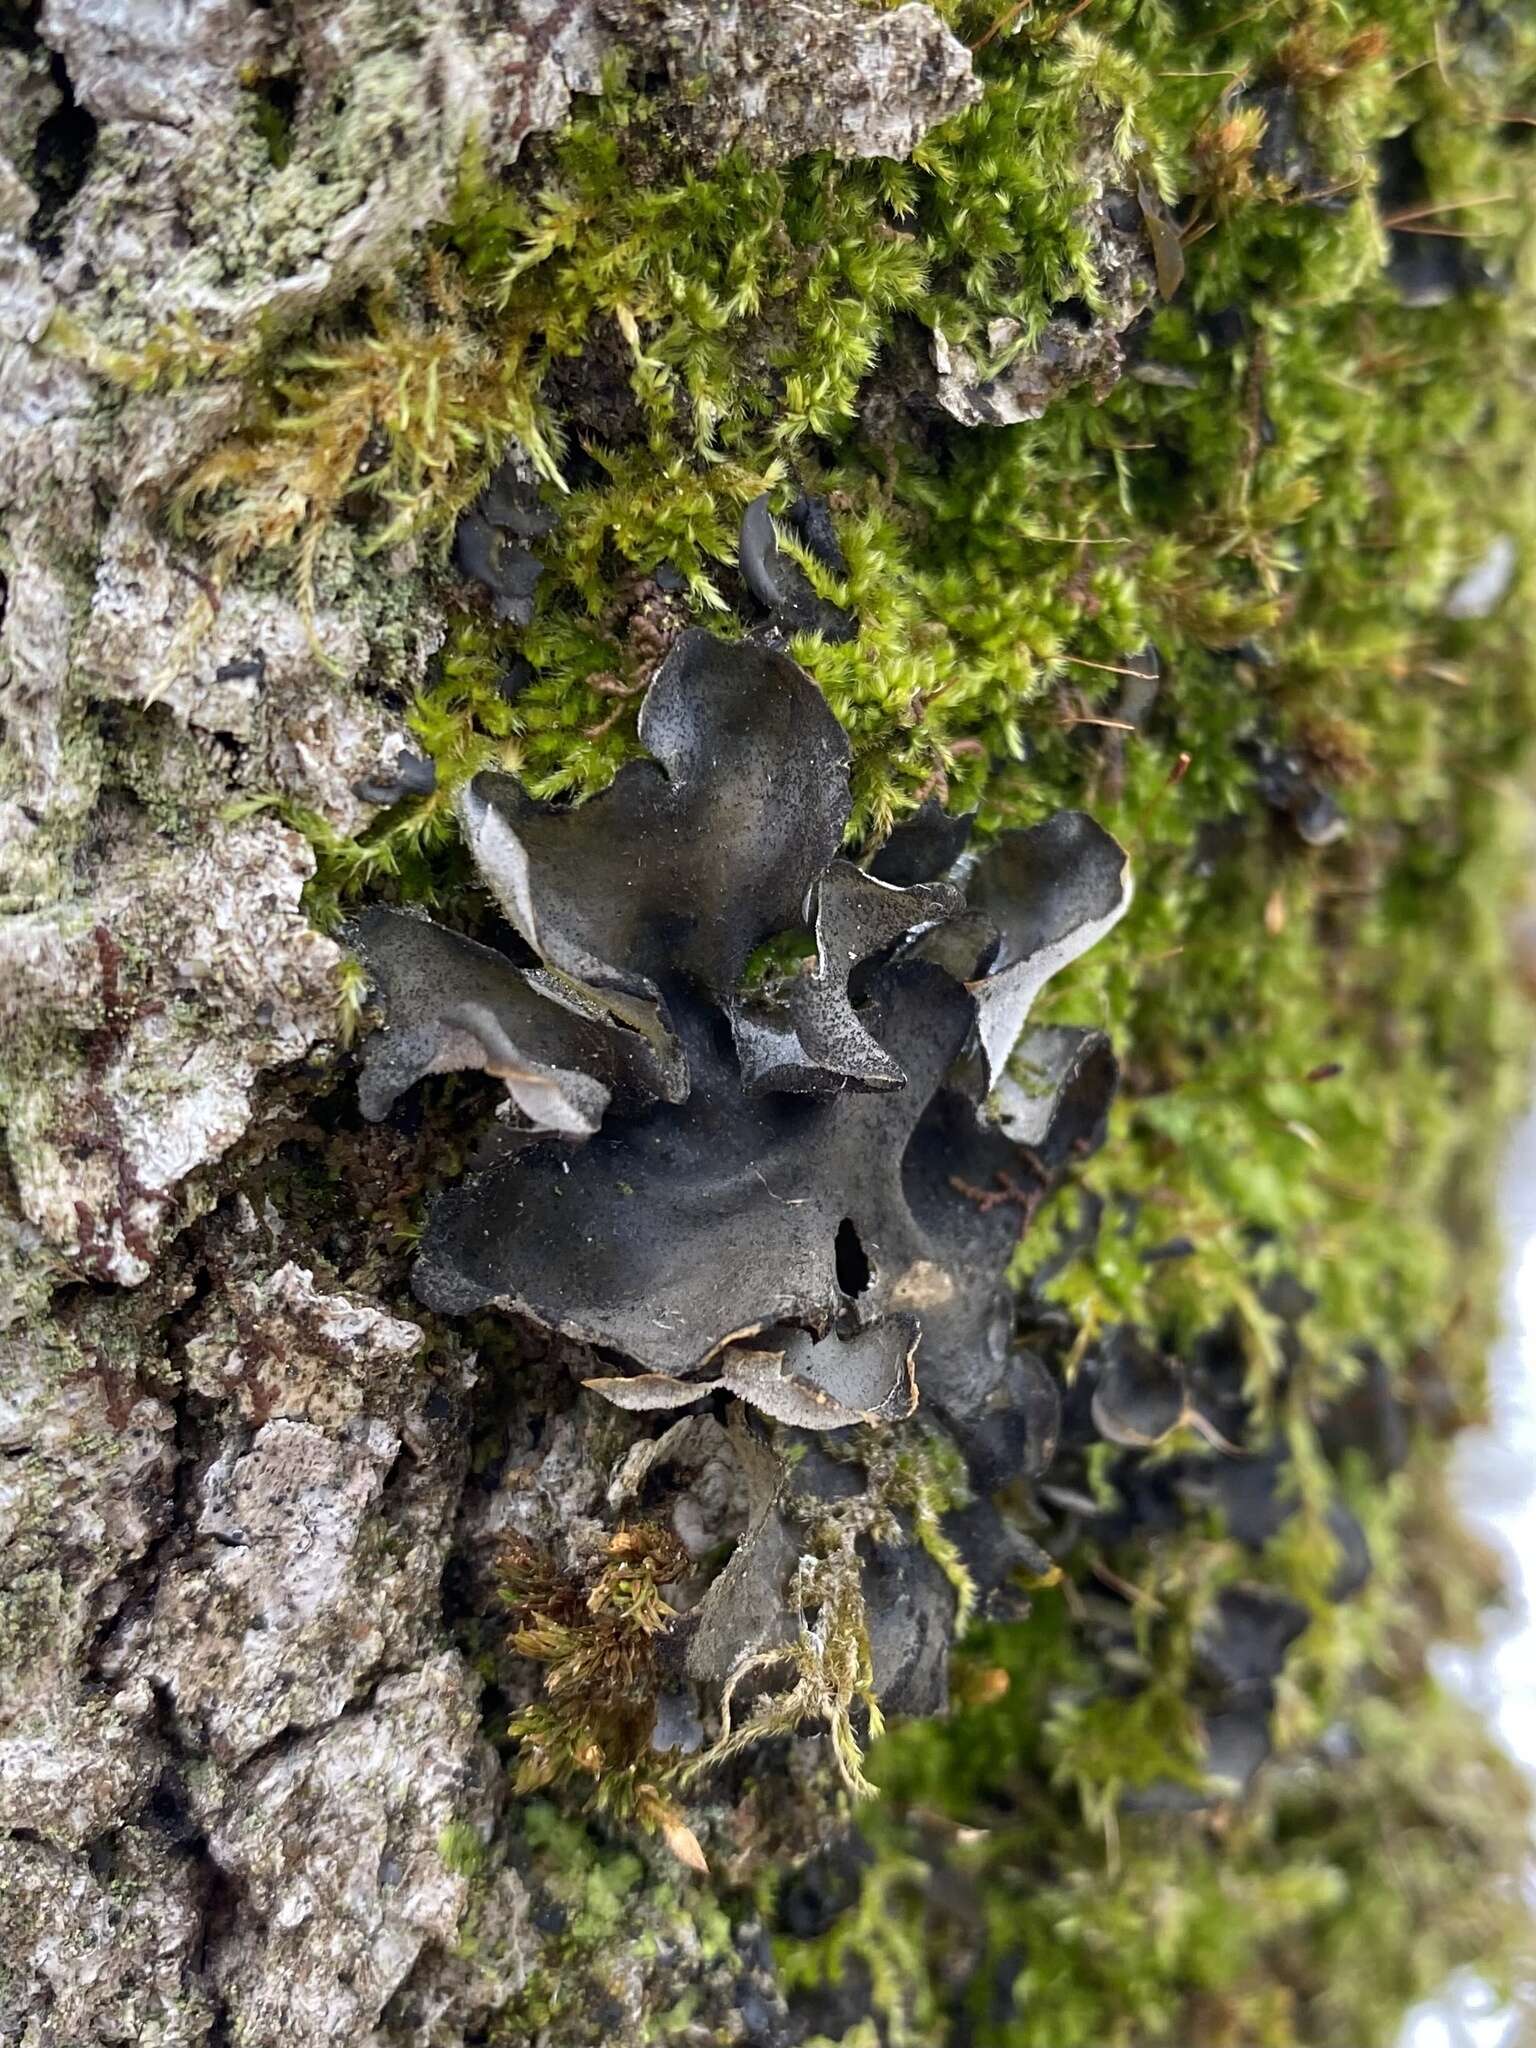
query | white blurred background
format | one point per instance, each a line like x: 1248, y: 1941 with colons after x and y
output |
x: 1495, y: 1472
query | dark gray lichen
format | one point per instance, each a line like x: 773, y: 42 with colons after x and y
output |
x: 490, y: 541
x: 777, y: 580
x: 1132, y: 1397
x: 690, y: 859
x: 1284, y: 784
x: 793, y: 1190
x: 734, y: 1188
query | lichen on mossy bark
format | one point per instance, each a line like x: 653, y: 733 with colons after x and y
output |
x: 278, y: 294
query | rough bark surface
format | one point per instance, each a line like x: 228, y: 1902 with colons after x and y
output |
x: 243, y: 1782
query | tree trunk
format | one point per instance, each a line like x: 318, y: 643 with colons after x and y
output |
x: 256, y: 1503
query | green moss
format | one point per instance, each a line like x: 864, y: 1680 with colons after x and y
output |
x: 612, y: 1924
x: 591, y: 1882
x: 461, y: 1849
x: 1059, y: 1933
x: 1320, y: 1046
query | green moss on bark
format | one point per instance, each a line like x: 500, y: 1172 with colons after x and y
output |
x: 1321, y: 1044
